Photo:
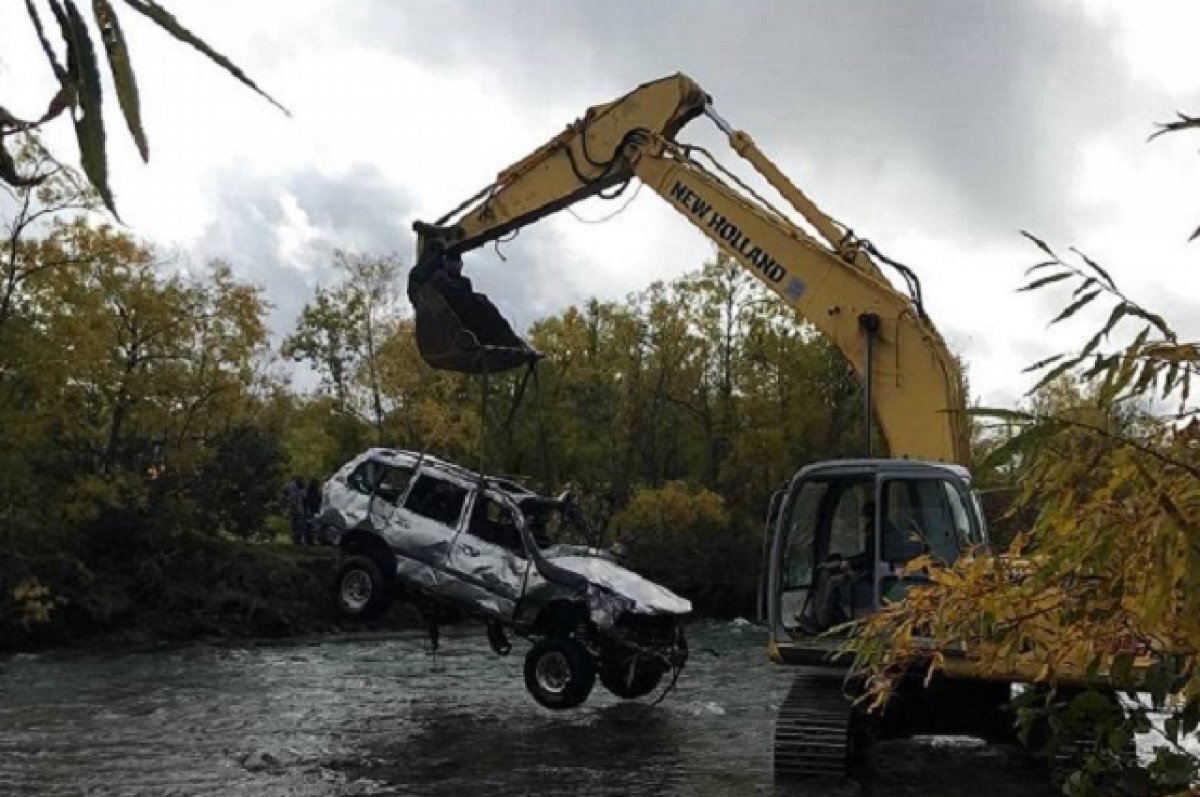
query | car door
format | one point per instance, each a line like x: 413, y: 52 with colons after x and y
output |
x: 387, y: 488
x: 488, y: 555
x: 423, y: 526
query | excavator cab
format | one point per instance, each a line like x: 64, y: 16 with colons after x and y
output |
x: 844, y: 531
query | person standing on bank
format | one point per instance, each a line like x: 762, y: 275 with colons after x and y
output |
x: 294, y: 501
x: 312, y: 508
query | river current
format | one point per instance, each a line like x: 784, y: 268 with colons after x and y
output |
x: 385, y: 716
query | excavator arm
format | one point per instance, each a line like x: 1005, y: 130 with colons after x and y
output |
x: 913, y: 381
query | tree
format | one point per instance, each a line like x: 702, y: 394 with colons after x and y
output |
x: 339, y: 332
x: 129, y: 373
x: 686, y: 538
x: 429, y: 410
x: 79, y: 82
x: 52, y: 192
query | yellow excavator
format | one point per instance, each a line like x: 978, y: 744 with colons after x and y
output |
x: 841, y: 531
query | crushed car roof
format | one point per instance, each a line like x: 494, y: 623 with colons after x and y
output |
x: 400, y: 456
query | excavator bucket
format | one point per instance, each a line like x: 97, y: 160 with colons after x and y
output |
x: 457, y: 328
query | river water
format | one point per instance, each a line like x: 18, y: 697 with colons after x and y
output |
x: 384, y: 716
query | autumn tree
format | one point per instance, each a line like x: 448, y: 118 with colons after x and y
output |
x: 29, y: 236
x: 339, y: 332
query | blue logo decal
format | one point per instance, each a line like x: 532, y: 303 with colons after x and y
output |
x: 795, y: 288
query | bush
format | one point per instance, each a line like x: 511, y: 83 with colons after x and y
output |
x: 686, y: 539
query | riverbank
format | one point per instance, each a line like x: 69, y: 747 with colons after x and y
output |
x: 189, y: 588
x: 145, y: 588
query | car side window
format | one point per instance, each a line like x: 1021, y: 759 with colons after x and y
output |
x: 437, y: 500
x: 492, y: 522
x: 364, y: 478
x: 394, y: 482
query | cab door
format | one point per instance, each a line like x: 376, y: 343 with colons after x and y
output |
x: 488, y: 555
x: 823, y: 530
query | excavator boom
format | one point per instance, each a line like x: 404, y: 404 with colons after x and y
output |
x: 914, y: 383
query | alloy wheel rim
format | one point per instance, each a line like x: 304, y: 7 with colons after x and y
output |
x: 553, y: 672
x: 356, y: 589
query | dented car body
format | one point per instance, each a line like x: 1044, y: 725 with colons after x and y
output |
x: 457, y: 543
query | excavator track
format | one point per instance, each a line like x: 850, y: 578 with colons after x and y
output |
x: 812, y: 733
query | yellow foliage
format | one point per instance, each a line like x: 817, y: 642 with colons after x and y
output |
x: 671, y: 509
x: 34, y: 602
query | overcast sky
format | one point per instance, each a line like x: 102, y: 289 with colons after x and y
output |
x: 937, y: 129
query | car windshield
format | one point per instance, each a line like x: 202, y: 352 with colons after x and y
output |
x: 550, y: 525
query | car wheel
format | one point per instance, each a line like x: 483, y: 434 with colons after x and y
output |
x: 631, y: 677
x: 559, y: 672
x: 360, y: 591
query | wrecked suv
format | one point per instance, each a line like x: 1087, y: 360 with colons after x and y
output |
x: 455, y: 543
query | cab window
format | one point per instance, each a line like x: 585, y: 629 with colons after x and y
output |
x: 802, y: 518
x: 850, y: 528
x: 436, y: 499
x: 961, y: 517
x: 923, y: 516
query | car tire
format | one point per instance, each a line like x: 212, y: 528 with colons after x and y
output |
x: 647, y: 674
x: 559, y: 672
x: 360, y: 591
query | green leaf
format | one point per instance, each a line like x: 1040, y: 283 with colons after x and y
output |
x: 1087, y: 283
x: 89, y: 124
x: 1102, y: 363
x: 1119, y: 312
x: 1171, y: 729
x: 1189, y: 718
x: 1002, y: 413
x: 165, y: 20
x: 60, y: 71
x: 122, y: 72
x: 1175, y: 769
x: 1149, y: 373
x: 1136, y: 346
x: 1053, y: 374
x: 1042, y: 363
x: 1158, y: 679
x: 1075, y: 306
x: 1172, y: 375
x: 1040, y: 244
x: 1038, y: 283
x: 1122, y: 667
x: 1042, y: 265
x: 9, y: 174
x: 61, y: 101
x: 1153, y: 318
x: 1096, y: 267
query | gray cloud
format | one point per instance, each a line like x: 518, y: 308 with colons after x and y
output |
x: 362, y: 212
x: 989, y: 100
x: 358, y: 210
